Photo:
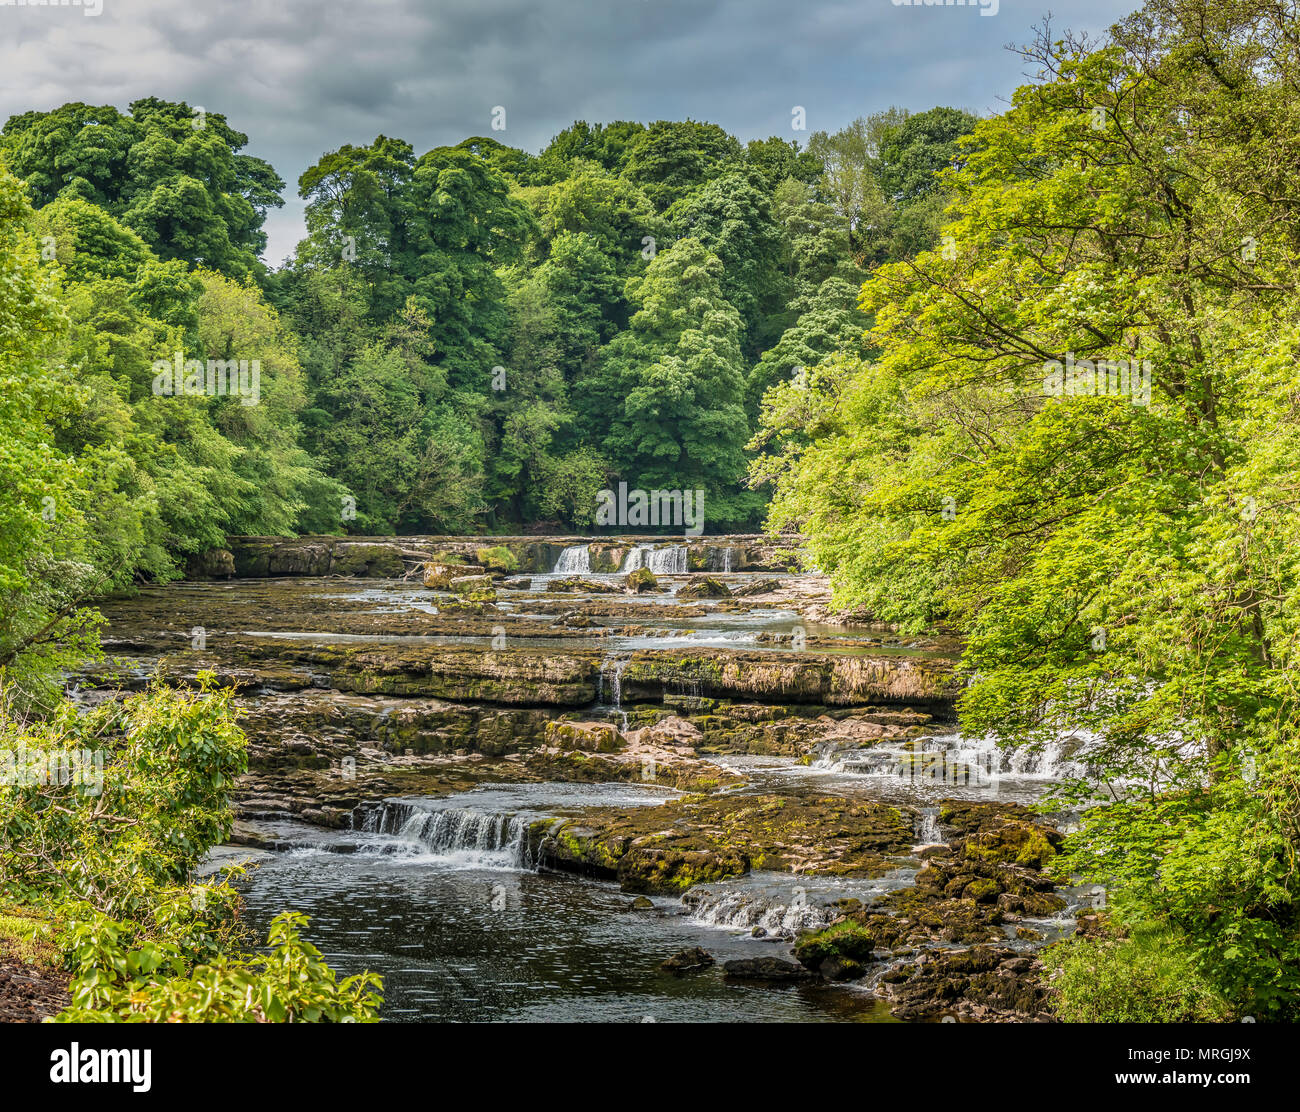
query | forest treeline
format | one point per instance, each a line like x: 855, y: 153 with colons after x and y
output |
x: 1049, y: 398
x: 473, y: 338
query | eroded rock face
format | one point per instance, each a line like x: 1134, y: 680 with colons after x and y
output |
x: 958, y: 897
x: 656, y: 870
x: 215, y: 563
x: 271, y: 556
x: 791, y: 678
x: 699, y: 838
x: 985, y: 983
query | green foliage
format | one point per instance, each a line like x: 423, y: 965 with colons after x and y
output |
x: 167, y: 759
x: 670, y: 160
x: 152, y: 984
x: 104, y: 817
x: 498, y: 558
x: 52, y: 555
x: 678, y: 369
x: 1149, y: 977
x: 171, y: 173
x: 1120, y: 561
x: 452, y: 345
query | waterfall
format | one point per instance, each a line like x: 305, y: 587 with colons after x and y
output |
x: 726, y: 559
x: 615, y: 685
x: 476, y: 838
x: 574, y: 560
x: 927, y: 827
x: 668, y: 560
x: 741, y: 910
x: 961, y: 761
x: 635, y: 558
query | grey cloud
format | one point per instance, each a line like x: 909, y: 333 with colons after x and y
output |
x: 301, y: 77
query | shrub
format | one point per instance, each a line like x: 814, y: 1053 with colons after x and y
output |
x: 1149, y: 977
x: 499, y: 558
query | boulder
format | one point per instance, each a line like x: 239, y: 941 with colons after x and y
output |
x: 469, y: 584
x: 438, y: 576
x: 705, y: 586
x: 585, y: 737
x: 694, y: 960
x: 759, y: 587
x: 641, y: 580
x: 766, y: 969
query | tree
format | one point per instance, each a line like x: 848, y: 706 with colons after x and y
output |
x: 731, y: 217
x: 56, y: 552
x: 612, y: 211
x: 1117, y: 550
x: 675, y: 382
x: 671, y: 160
x: 604, y: 144
x: 171, y: 173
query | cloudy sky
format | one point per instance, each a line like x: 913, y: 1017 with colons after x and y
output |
x: 301, y: 77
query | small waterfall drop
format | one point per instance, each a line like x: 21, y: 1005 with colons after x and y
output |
x: 927, y: 827
x: 477, y: 839
x: 611, y: 672
x: 744, y: 910
x: 574, y: 560
x: 666, y: 560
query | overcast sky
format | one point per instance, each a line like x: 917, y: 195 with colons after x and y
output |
x: 301, y: 77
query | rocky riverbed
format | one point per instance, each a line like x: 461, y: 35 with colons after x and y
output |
x: 390, y: 698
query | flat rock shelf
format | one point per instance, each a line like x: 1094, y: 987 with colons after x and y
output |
x: 614, y: 778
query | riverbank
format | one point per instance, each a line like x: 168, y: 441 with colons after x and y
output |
x: 791, y: 742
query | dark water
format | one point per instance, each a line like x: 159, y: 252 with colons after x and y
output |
x: 459, y: 939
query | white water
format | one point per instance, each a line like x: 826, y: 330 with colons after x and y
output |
x: 613, y: 668
x: 742, y: 910
x: 574, y: 560
x: 782, y: 905
x: 470, y: 839
x: 927, y: 827
x: 955, y: 759
x: 669, y: 560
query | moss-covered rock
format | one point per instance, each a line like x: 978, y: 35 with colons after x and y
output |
x: 474, y: 585
x: 1011, y: 841
x: 855, y: 940
x: 705, y: 586
x: 587, y: 737
x: 641, y: 581
x: 662, y: 870
x: 498, y: 558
